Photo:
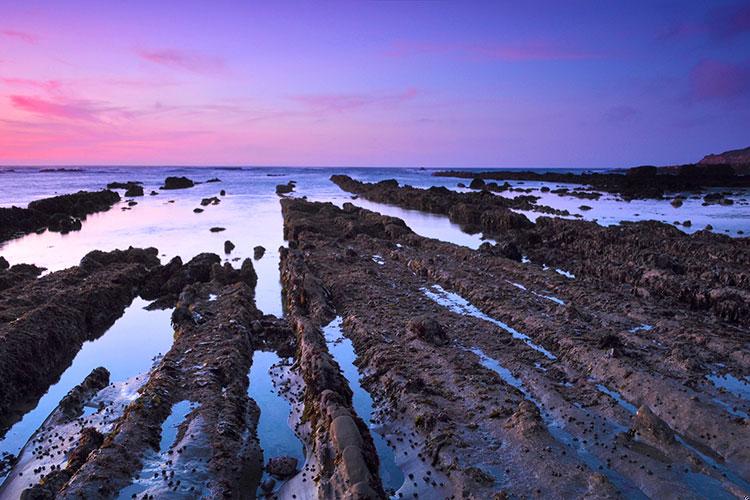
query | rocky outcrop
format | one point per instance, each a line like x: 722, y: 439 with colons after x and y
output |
x: 636, y: 182
x: 177, y: 183
x: 553, y: 368
x: 208, y: 365
x: 60, y: 213
x: 341, y: 442
x: 650, y: 258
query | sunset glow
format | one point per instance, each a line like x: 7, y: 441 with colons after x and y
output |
x: 372, y: 83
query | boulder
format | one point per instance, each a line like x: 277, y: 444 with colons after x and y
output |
x: 428, y: 329
x: 282, y: 467
x: 177, y: 183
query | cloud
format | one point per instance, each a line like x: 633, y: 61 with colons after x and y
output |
x: 345, y: 102
x: 509, y: 52
x: 711, y: 79
x: 720, y: 23
x: 20, y: 35
x: 188, y: 61
x: 72, y: 109
x: 50, y: 86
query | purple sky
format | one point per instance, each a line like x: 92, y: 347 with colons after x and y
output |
x: 432, y: 83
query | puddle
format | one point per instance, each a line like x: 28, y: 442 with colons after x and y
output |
x: 126, y: 349
x: 730, y: 383
x: 460, y: 305
x: 641, y: 328
x: 567, y: 274
x: 617, y: 397
x: 556, y: 430
x: 342, y: 350
x: 274, y: 432
x: 554, y: 299
x: 180, y: 468
x: 169, y: 427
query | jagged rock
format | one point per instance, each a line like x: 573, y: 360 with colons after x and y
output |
x: 258, y: 252
x: 228, y: 246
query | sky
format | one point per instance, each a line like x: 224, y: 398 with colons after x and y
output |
x: 373, y: 83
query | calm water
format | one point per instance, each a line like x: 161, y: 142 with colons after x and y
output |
x: 126, y: 349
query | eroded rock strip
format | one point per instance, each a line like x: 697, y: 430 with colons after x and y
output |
x: 59, y: 213
x: 341, y: 454
x: 203, y: 379
x: 44, y: 322
x: 701, y: 271
x: 436, y: 394
x: 424, y: 356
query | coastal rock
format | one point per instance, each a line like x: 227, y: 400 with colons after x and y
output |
x: 429, y: 330
x: 228, y: 246
x: 134, y: 190
x: 282, y: 189
x: 282, y: 467
x: 210, y: 201
x: 177, y: 183
x: 258, y: 252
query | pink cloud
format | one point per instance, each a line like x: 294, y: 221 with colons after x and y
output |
x: 344, y: 102
x: 20, y: 35
x: 46, y: 85
x: 716, y: 80
x: 188, y: 61
x: 73, y: 109
x: 511, y: 52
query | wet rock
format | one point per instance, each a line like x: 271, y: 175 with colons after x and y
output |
x: 213, y: 179
x: 429, y: 330
x: 652, y: 429
x: 476, y: 183
x: 217, y: 229
x: 72, y: 404
x: 677, y: 202
x: 282, y: 467
x: 282, y: 189
x: 461, y: 185
x: 210, y: 201
x: 60, y: 213
x: 177, y: 183
x: 134, y: 190
x: 584, y: 207
x: 258, y: 252
x: 222, y: 193
x: 198, y: 210
x: 228, y: 246
x: 153, y: 193
x: 62, y: 223
x: 507, y: 249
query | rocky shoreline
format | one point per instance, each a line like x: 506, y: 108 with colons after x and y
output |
x: 570, y: 375
x: 59, y: 213
x: 649, y: 259
x: 559, y: 359
x: 633, y: 183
